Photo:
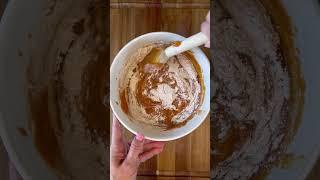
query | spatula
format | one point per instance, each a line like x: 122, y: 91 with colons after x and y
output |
x: 175, y: 49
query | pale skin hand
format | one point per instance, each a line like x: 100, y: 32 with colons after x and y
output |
x: 205, y: 28
x: 125, y: 158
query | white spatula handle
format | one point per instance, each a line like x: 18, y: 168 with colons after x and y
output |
x: 189, y: 43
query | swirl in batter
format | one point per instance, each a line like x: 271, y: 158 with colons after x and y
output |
x: 163, y: 95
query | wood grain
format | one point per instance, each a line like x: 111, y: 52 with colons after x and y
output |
x: 188, y: 157
x: 175, y: 2
x: 192, y: 4
x: 169, y: 178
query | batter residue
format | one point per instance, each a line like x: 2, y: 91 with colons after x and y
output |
x: 68, y: 90
x: 255, y: 102
x: 163, y: 95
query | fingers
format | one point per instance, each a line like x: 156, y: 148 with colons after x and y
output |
x: 208, y: 17
x: 147, y: 141
x: 153, y: 144
x: 148, y: 144
x: 117, y: 149
x: 207, y: 44
x: 205, y: 28
x: 135, y: 149
x: 116, y: 131
x: 149, y: 154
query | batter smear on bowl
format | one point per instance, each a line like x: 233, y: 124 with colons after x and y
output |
x: 163, y: 95
x: 257, y: 92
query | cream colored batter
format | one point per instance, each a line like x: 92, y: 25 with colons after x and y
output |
x: 163, y: 95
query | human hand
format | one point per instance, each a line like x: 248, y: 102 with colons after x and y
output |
x: 205, y: 28
x: 125, y: 158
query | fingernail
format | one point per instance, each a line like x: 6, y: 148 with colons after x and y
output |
x: 139, y: 137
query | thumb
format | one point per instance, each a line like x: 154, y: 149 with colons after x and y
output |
x: 207, y: 44
x: 135, y: 150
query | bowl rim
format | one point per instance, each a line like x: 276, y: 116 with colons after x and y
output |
x: 8, y: 144
x: 113, y: 105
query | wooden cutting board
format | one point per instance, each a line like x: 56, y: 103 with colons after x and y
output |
x: 188, y: 157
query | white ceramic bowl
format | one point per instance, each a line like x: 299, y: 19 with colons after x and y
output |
x: 148, y: 131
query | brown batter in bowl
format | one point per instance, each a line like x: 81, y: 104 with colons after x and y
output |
x: 164, y: 96
x: 68, y: 91
x: 257, y: 88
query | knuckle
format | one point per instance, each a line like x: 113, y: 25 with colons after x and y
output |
x: 135, y: 146
x: 118, y: 155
